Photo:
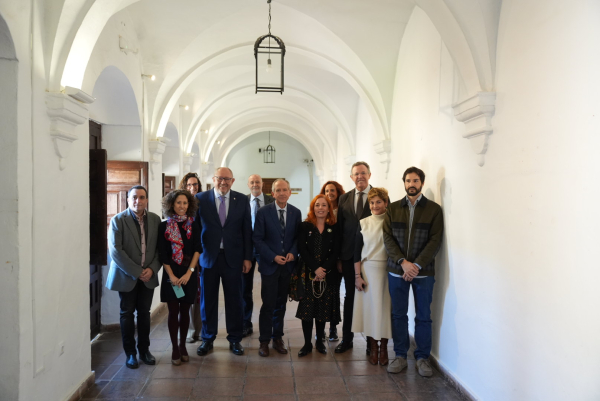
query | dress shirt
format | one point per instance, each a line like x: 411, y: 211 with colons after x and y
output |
x: 364, y: 197
x: 218, y: 203
x: 141, y: 223
x: 253, y: 205
x: 284, y: 212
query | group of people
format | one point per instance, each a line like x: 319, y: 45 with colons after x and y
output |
x: 220, y: 236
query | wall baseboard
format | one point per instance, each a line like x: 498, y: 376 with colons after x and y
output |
x: 449, y: 377
x: 83, y: 387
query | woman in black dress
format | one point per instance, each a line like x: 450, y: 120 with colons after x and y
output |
x: 319, y: 240
x: 179, y: 248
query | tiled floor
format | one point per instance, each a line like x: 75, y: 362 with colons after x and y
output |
x: 223, y: 376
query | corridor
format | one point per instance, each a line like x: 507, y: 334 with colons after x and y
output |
x: 223, y: 376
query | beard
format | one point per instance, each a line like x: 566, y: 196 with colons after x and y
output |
x: 411, y: 191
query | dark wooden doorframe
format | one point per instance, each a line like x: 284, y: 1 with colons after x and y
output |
x: 98, y: 241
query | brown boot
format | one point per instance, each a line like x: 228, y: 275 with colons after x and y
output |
x: 374, y: 356
x: 383, y: 352
x: 263, y: 350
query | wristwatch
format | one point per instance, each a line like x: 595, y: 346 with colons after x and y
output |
x: 192, y: 269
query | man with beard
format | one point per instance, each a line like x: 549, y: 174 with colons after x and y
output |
x: 412, y: 233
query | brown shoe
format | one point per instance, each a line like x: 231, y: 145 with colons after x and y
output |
x: 383, y: 352
x: 374, y: 355
x: 279, y: 346
x: 263, y: 350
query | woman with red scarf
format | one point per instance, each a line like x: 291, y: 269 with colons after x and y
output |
x: 179, y: 248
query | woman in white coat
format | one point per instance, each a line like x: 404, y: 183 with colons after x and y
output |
x: 372, y: 314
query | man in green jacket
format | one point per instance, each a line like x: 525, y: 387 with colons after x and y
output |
x: 412, y: 233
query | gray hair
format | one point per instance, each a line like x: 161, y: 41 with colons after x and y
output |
x: 277, y: 180
x: 218, y: 168
x: 360, y: 164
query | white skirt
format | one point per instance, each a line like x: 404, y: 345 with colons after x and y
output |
x: 372, y: 313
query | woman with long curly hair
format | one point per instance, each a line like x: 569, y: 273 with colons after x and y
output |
x: 333, y: 190
x: 179, y: 248
x: 319, y: 241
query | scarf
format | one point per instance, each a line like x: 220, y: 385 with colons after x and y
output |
x: 174, y: 235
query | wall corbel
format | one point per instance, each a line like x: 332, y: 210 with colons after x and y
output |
x: 477, y: 112
x: 66, y: 110
x: 187, y: 160
x: 349, y: 160
x: 384, y: 150
x: 156, y: 147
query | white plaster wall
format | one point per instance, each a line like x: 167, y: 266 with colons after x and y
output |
x: 514, y: 302
x: 122, y: 142
x: 171, y: 161
x: 245, y: 160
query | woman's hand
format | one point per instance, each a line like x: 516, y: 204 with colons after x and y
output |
x: 320, y: 273
x: 174, y: 280
x: 339, y: 266
x: 359, y: 283
x: 185, y: 278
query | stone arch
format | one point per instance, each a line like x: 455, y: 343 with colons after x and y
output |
x: 9, y: 215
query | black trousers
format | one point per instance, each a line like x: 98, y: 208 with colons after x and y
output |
x: 139, y: 299
x: 247, y: 288
x: 274, y: 292
x: 348, y: 274
x: 231, y: 277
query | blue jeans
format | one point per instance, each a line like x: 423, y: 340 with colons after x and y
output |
x: 423, y: 294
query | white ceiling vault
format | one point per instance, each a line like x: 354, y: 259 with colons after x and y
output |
x: 341, y: 54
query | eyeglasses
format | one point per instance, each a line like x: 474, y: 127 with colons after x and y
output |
x: 226, y: 179
x: 192, y: 185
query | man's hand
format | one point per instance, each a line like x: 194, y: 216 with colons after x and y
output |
x: 410, y: 270
x: 247, y: 266
x: 339, y: 266
x: 289, y: 258
x: 280, y: 260
x: 146, y: 275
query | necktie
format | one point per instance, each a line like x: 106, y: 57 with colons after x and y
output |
x: 359, y: 206
x: 255, y: 207
x: 281, y: 220
x: 222, y: 210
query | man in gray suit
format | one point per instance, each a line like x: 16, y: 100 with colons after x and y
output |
x: 257, y: 200
x: 132, y: 240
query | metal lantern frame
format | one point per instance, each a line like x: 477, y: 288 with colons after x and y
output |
x: 269, y: 152
x: 273, y: 46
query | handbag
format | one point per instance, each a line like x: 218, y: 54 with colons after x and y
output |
x: 297, y: 282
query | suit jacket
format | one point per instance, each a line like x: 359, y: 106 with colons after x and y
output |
x: 348, y: 221
x: 125, y: 249
x: 268, y: 199
x: 236, y: 232
x: 330, y: 247
x: 270, y: 240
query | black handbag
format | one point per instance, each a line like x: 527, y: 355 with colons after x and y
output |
x: 298, y: 282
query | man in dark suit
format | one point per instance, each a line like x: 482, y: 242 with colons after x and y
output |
x: 132, y: 239
x: 275, y: 232
x: 257, y: 200
x: 224, y: 218
x: 352, y: 207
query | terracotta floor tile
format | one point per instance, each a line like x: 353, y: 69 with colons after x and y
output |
x: 320, y: 385
x: 418, y: 384
x: 121, y: 389
x: 216, y: 398
x: 170, y: 371
x: 142, y: 373
x: 354, y: 354
x: 107, y: 346
x: 220, y: 369
x: 94, y: 390
x: 169, y: 388
x: 269, y: 368
x: 314, y: 356
x: 159, y: 345
x: 361, y: 368
x: 435, y: 396
x: 269, y: 385
x: 109, y: 372
x: 324, y: 397
x: 321, y: 369
x: 275, y: 397
x: 368, y: 384
x: 210, y: 386
x: 107, y: 358
x: 378, y: 397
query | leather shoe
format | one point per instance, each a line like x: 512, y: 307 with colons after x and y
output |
x: 263, y: 350
x: 204, y: 348
x: 247, y: 331
x: 279, y: 346
x: 333, y: 336
x: 132, y: 362
x: 343, y: 346
x: 236, y: 348
x: 321, y: 347
x: 192, y: 340
x: 147, y: 358
x: 368, y: 348
x: 307, y: 349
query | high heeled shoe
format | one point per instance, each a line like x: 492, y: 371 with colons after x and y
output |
x: 184, y: 354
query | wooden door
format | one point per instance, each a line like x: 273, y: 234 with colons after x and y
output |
x: 169, y: 184
x: 122, y: 175
x: 268, y: 185
x: 98, y: 242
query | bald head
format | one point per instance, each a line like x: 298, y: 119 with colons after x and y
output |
x: 223, y: 180
x: 255, y: 184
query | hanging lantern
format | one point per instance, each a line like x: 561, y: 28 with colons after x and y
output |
x: 269, y: 52
x: 269, y: 152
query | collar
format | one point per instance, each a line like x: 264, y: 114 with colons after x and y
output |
x: 279, y: 208
x: 260, y: 197
x: 365, y: 191
x: 135, y: 215
x: 421, y: 201
x: 217, y: 194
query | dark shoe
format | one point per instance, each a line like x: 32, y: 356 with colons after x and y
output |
x: 307, y: 349
x: 236, y: 348
x: 343, y: 347
x: 321, y: 347
x: 247, y: 331
x: 147, y: 358
x: 204, y: 348
x: 383, y: 352
x: 279, y: 346
x: 192, y: 340
x: 263, y: 350
x: 132, y: 362
x: 374, y: 355
x: 333, y: 336
x: 368, y: 348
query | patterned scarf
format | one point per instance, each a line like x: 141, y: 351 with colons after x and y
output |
x: 172, y: 234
